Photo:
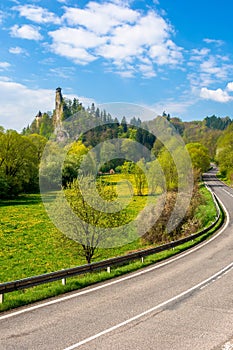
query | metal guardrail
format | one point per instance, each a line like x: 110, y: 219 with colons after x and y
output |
x: 105, y: 264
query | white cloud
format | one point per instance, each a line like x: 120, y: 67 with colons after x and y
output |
x: 2, y: 15
x: 75, y: 44
x: 197, y: 55
x: 124, y: 37
x: 63, y: 72
x: 26, y: 32
x: 210, y: 67
x: 216, y: 68
x: 213, y: 41
x: 100, y: 18
x: 4, y: 65
x: 37, y: 14
x: 166, y: 53
x: 17, y: 50
x: 147, y: 70
x: 21, y: 104
x: 230, y: 86
x: 207, y: 69
x: 129, y: 73
x: 78, y: 38
x: 218, y: 95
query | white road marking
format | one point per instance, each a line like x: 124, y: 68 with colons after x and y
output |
x: 230, y: 194
x: 136, y: 274
x: 119, y: 325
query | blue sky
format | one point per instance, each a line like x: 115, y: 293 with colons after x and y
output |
x: 167, y: 55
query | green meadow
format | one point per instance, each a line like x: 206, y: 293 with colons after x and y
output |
x: 32, y: 245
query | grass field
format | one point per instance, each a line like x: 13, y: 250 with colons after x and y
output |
x: 32, y: 245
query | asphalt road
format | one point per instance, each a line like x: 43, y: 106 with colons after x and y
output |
x: 183, y: 303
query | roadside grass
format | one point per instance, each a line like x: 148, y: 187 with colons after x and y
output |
x: 206, y: 211
x: 32, y: 245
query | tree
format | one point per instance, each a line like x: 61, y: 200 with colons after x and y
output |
x: 124, y: 125
x: 90, y: 217
x: 169, y: 169
x: 224, y: 153
x: 156, y: 179
x: 46, y: 126
x: 18, y: 163
x: 75, y: 155
x: 199, y: 156
x: 137, y: 173
x: 51, y: 167
x: 39, y: 142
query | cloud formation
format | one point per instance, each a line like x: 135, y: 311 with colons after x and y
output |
x: 4, y: 65
x: 218, y: 95
x: 26, y: 31
x: 230, y: 86
x: 17, y: 50
x: 37, y: 14
x: 130, y: 41
x: 213, y: 41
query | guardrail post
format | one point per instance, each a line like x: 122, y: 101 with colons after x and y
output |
x: 109, y: 269
x: 63, y: 281
x: 1, y: 298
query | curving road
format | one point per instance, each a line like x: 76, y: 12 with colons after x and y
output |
x: 183, y: 303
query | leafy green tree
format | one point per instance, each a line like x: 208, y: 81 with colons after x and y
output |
x: 224, y: 153
x: 218, y: 123
x: 199, y: 156
x: 156, y: 177
x: 76, y: 152
x: 90, y: 216
x: 137, y: 173
x: 46, y: 126
x: 124, y: 125
x: 51, y: 167
x: 18, y: 163
x: 39, y: 142
x: 168, y: 166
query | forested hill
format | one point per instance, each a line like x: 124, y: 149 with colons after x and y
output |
x: 206, y: 131
x: 43, y: 123
x: 20, y: 154
x: 211, y: 132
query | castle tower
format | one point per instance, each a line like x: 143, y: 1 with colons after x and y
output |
x: 58, y: 107
x: 38, y: 119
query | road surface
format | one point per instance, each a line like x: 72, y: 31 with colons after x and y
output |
x: 183, y: 303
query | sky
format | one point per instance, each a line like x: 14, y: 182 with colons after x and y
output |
x: 165, y: 55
